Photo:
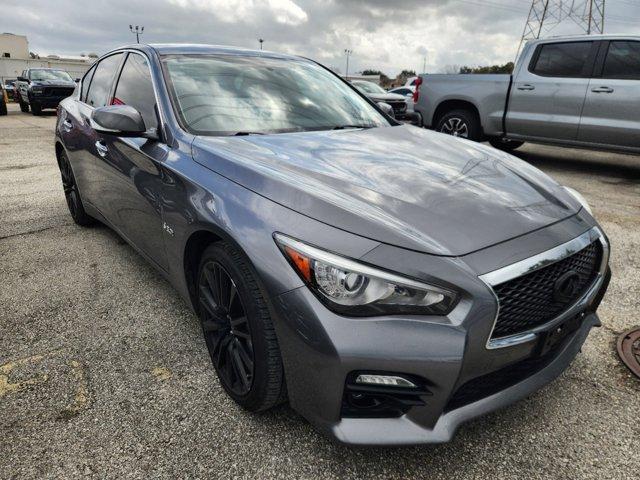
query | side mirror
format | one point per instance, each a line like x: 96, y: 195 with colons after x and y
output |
x: 23, y: 79
x: 386, y: 108
x: 119, y: 120
x: 77, y: 80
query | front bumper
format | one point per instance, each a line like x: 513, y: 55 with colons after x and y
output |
x: 322, y: 350
x: 46, y: 101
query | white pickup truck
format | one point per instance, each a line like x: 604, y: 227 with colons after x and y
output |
x: 574, y: 91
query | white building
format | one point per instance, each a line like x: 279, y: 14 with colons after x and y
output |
x: 15, y: 57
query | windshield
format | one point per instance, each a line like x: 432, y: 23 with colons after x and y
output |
x: 368, y: 87
x: 50, y: 75
x: 225, y: 95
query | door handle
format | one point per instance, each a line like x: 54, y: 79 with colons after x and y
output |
x: 526, y: 86
x: 602, y: 90
x: 101, y: 148
x: 67, y: 125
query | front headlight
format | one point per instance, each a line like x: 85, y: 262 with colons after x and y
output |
x: 578, y: 196
x: 352, y: 288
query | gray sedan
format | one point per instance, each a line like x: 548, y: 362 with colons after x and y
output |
x: 389, y: 282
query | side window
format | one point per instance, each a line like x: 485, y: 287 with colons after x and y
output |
x: 102, y: 80
x: 86, y: 81
x: 562, y: 59
x: 135, y: 88
x: 623, y: 60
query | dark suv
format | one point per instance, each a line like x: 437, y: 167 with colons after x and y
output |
x: 40, y: 88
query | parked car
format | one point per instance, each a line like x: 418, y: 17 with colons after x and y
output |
x: 3, y: 100
x: 41, y: 88
x: 573, y: 91
x: 9, y: 87
x: 398, y: 281
x: 407, y: 93
x: 378, y: 94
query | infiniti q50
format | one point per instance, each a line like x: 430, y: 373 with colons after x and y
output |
x: 387, y: 281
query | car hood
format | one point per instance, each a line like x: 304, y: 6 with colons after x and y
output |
x: 51, y: 83
x: 400, y: 185
x: 384, y: 97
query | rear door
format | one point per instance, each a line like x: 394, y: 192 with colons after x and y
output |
x: 548, y: 93
x: 610, y: 114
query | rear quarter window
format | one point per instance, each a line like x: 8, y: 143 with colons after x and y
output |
x: 561, y: 59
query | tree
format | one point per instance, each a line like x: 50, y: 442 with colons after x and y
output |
x: 370, y: 71
x: 506, y: 68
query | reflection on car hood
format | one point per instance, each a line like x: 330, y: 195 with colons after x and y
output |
x: 401, y: 185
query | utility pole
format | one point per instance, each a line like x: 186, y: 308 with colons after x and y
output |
x: 424, y: 64
x: 261, y: 40
x: 545, y: 15
x: 348, y: 54
x: 138, y: 31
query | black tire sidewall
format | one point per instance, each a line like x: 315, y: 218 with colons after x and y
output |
x: 80, y: 216
x: 468, y: 117
x: 257, y: 313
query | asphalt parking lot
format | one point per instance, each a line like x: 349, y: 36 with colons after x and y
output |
x: 104, y: 373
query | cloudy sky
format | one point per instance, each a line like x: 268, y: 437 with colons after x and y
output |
x: 388, y: 35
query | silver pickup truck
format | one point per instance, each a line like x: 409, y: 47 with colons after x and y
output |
x: 574, y: 91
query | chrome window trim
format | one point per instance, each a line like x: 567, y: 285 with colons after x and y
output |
x: 537, y: 262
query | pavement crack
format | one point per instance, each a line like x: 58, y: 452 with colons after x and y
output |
x: 30, y: 232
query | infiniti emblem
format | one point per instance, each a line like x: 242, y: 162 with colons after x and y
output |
x: 567, y: 286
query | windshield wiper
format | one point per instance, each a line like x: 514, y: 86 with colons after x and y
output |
x: 342, y: 127
x: 247, y: 133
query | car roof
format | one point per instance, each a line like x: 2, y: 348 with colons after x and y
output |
x: 569, y: 38
x: 203, y: 49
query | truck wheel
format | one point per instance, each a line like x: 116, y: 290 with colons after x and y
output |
x: 36, y: 108
x: 3, y: 107
x: 24, y: 107
x: 460, y: 123
x: 503, y: 144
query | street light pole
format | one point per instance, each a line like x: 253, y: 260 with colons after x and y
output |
x: 348, y: 54
x: 138, y: 31
x: 261, y: 40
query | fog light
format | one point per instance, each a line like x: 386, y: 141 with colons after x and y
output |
x: 389, y: 380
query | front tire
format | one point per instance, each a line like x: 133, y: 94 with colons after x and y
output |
x: 36, y: 108
x: 238, y: 329
x: 24, y: 107
x: 460, y: 123
x: 72, y: 194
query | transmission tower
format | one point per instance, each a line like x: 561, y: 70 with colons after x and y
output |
x: 545, y: 15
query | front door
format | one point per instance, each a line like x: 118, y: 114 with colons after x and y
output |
x: 131, y: 168
x: 548, y: 94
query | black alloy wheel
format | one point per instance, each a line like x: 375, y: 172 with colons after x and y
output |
x: 226, y: 328
x: 238, y: 328
x: 71, y: 193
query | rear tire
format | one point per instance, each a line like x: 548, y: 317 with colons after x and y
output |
x: 238, y: 329
x: 460, y: 123
x: 36, y: 108
x: 3, y: 107
x: 506, y: 145
x: 72, y: 194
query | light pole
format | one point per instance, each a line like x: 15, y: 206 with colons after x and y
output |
x: 138, y: 31
x: 348, y: 53
x: 261, y: 40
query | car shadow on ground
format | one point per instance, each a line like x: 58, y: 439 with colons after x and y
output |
x: 626, y: 167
